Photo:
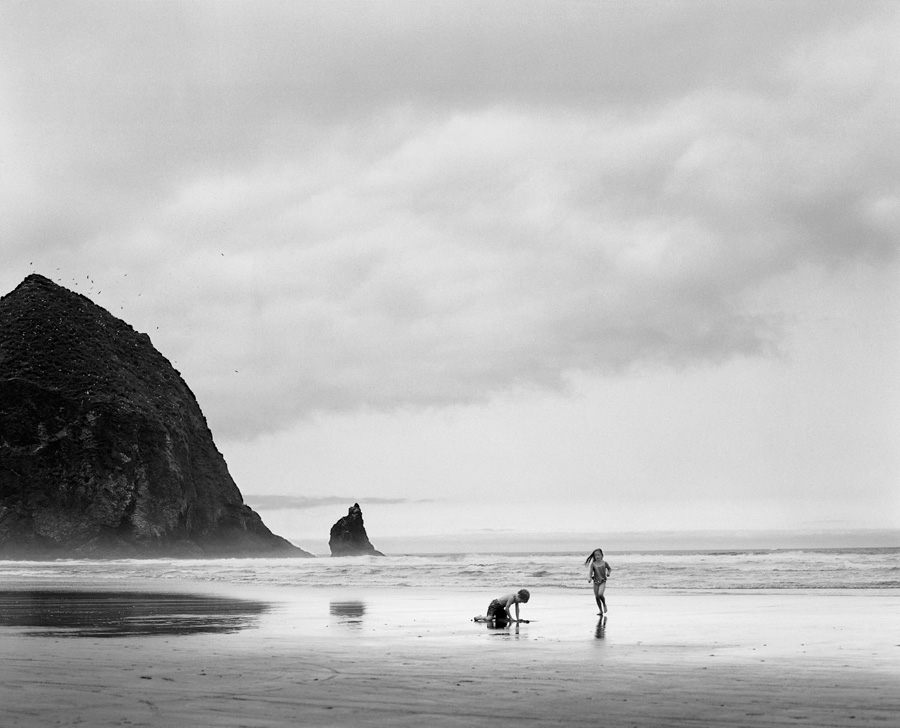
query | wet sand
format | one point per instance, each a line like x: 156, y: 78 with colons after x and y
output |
x: 207, y: 657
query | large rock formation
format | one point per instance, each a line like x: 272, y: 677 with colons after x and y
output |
x: 348, y: 536
x: 104, y: 451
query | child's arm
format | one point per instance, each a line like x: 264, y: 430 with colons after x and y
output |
x: 509, y: 601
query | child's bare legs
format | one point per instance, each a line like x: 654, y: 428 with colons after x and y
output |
x: 599, y: 589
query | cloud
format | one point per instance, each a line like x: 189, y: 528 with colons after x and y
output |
x: 325, y: 207
x: 288, y: 502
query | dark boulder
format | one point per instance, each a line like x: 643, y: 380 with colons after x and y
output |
x: 104, y: 451
x: 348, y: 536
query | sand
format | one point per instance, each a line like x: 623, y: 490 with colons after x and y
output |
x: 317, y: 657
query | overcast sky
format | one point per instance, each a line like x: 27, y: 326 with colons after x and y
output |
x: 487, y: 267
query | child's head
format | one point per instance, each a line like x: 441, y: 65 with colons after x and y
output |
x: 524, y: 595
x: 598, y: 553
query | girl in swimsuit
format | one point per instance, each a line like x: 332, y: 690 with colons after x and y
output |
x: 599, y: 571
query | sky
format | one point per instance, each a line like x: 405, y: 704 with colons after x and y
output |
x: 494, y: 270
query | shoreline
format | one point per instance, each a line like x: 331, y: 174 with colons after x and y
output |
x: 396, y: 657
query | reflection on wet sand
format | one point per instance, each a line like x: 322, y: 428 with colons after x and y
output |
x: 600, y: 632
x: 348, y: 613
x: 124, y: 613
x: 508, y: 629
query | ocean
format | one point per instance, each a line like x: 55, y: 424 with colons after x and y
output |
x: 695, y: 637
x: 798, y: 569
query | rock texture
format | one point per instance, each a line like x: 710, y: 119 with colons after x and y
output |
x: 104, y: 451
x: 348, y: 536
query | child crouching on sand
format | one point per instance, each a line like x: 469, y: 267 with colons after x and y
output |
x: 498, y: 609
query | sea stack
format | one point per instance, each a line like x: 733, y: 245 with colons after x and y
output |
x: 104, y: 451
x: 348, y: 536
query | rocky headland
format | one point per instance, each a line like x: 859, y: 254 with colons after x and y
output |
x: 104, y: 451
x: 348, y: 536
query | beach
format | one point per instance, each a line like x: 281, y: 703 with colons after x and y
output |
x: 171, y: 654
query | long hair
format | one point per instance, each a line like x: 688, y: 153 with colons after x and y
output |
x: 593, y: 556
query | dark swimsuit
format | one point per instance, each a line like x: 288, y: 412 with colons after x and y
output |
x: 497, y: 611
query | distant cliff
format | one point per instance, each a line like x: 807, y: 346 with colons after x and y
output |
x: 348, y: 536
x: 104, y: 451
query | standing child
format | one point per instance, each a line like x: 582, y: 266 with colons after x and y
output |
x: 599, y: 571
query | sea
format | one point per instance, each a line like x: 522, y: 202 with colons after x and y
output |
x: 787, y: 569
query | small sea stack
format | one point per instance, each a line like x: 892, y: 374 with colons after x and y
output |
x: 104, y: 451
x: 349, y: 538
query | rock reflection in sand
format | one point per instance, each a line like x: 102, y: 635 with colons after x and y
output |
x: 348, y: 613
x: 124, y: 613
